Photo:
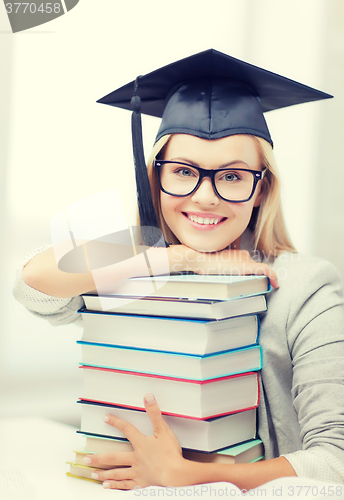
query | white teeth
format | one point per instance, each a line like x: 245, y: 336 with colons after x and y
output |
x: 201, y: 220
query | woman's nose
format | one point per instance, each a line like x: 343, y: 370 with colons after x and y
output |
x: 205, y: 194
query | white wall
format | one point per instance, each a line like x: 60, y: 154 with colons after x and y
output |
x: 62, y: 146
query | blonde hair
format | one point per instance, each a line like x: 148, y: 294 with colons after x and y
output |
x: 267, y: 222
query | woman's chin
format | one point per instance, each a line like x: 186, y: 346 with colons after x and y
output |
x: 204, y: 247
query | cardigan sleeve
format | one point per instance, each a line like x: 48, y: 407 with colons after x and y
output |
x: 316, y: 344
x: 58, y: 311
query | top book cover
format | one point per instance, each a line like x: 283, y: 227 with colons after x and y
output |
x: 194, y: 286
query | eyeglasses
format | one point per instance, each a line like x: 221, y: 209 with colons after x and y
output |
x: 236, y: 185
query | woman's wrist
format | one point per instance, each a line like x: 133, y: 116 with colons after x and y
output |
x: 244, y: 476
x: 184, y: 472
x: 181, y: 258
x: 188, y: 472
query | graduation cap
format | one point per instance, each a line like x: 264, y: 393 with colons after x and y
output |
x: 210, y: 95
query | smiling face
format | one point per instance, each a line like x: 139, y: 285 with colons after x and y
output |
x: 202, y: 220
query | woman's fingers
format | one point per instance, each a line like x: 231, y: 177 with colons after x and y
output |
x: 127, y: 484
x: 120, y: 474
x: 151, y: 459
x: 129, y: 430
x: 261, y: 269
x: 110, y: 459
x: 154, y: 413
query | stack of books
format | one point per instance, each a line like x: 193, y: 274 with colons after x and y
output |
x: 194, y: 345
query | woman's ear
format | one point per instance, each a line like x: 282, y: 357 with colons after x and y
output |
x: 258, y: 200
x: 260, y: 189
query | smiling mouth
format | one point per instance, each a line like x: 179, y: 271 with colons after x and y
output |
x: 204, y: 221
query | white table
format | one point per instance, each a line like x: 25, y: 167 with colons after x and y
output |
x: 34, y: 452
x: 33, y: 456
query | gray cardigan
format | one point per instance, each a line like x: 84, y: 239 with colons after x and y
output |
x: 302, y: 382
x: 301, y: 413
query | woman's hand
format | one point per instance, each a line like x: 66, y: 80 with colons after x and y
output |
x: 236, y: 262
x: 156, y: 460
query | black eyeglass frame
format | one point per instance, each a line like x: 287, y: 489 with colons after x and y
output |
x: 257, y: 176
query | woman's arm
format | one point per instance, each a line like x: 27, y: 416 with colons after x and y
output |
x: 157, y: 461
x: 315, y: 336
x: 58, y: 311
x: 43, y: 274
x: 244, y: 476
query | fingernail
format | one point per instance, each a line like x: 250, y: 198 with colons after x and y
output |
x: 87, y: 460
x: 150, y: 399
x: 106, y: 485
x: 106, y: 418
x: 94, y: 475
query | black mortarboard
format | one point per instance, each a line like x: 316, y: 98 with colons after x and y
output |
x: 210, y: 95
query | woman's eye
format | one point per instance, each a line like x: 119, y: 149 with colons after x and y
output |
x: 184, y: 172
x: 230, y: 177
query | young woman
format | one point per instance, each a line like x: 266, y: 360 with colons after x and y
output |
x: 218, y: 204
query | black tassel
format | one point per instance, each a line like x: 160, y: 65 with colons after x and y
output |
x: 148, y: 217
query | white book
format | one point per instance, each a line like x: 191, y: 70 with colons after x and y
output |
x: 194, y: 286
x: 181, y: 308
x: 192, y: 398
x: 186, y: 366
x: 248, y: 452
x: 203, y: 435
x: 82, y: 471
x: 190, y: 336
